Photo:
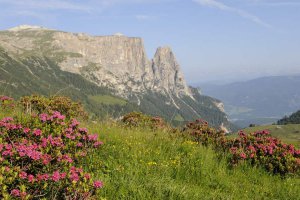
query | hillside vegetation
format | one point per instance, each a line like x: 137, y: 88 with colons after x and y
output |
x: 292, y: 119
x: 288, y: 133
x: 141, y: 157
x: 144, y: 164
x: 40, y: 75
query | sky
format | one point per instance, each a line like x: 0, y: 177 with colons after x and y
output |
x: 213, y: 40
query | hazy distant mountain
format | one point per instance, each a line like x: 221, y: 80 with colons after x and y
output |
x: 110, y: 74
x: 261, y: 100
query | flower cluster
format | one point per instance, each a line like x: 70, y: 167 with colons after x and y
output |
x: 203, y: 133
x: 6, y: 102
x: 40, y: 156
x: 260, y: 148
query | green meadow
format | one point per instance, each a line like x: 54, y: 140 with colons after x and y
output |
x: 144, y: 164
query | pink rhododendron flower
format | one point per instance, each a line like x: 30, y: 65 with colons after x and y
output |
x: 98, y: 184
x: 23, y: 175
x: 56, y: 176
x: 79, y: 144
x: 15, y: 193
x: 63, y: 175
x: 58, y: 115
x: 26, y: 130
x: 43, y: 117
x: 243, y: 155
x: 74, y: 177
x: 37, y: 132
x: 98, y: 143
x: 30, y: 178
x: 93, y: 137
x: 74, y: 123
x: 87, y: 176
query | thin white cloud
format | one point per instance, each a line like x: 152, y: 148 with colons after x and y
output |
x: 277, y: 2
x: 240, y: 12
x: 89, y: 6
x: 45, y: 4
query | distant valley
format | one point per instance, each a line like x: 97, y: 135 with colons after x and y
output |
x: 258, y: 101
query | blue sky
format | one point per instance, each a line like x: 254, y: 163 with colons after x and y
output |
x: 212, y: 39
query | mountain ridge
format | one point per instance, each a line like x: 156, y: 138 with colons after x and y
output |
x: 119, y: 63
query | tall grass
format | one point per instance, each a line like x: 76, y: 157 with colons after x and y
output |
x: 145, y: 164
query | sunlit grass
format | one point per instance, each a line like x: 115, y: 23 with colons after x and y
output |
x: 142, y: 164
x: 287, y: 133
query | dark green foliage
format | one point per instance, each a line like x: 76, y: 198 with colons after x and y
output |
x: 292, y: 119
x: 190, y: 109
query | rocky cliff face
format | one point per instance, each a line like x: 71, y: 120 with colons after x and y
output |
x: 167, y: 73
x: 121, y: 63
x: 116, y: 62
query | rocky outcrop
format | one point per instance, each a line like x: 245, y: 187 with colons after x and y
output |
x: 167, y: 73
x: 116, y: 62
x: 122, y: 64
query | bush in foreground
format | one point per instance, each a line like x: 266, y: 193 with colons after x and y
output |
x: 64, y: 105
x: 40, y: 157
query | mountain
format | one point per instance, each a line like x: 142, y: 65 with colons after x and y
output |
x: 260, y: 101
x: 110, y: 74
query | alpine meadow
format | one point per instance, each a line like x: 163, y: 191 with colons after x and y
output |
x: 149, y: 100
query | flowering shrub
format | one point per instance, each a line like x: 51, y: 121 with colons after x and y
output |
x: 260, y: 148
x: 136, y: 119
x: 6, y: 102
x: 203, y: 133
x: 40, y: 157
x: 64, y: 105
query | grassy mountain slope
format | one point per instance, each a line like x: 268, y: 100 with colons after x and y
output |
x: 142, y: 164
x: 40, y: 75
